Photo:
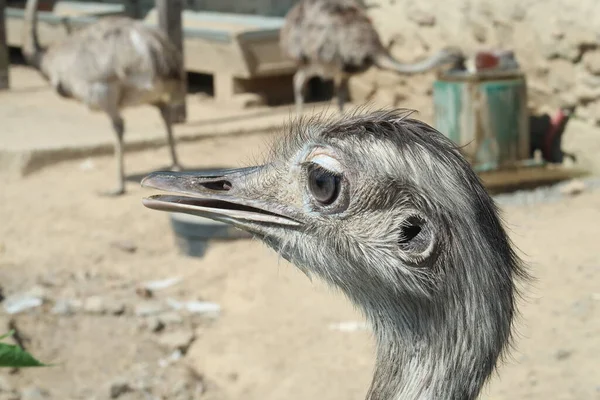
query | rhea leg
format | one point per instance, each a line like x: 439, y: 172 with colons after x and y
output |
x: 119, y: 128
x: 342, y: 92
x: 165, y: 112
x: 300, y: 80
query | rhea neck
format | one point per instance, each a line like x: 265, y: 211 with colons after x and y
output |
x: 385, y: 61
x: 33, y: 52
x: 444, y: 346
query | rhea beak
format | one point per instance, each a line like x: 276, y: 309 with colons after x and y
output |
x: 222, y: 195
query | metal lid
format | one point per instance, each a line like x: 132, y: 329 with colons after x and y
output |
x: 479, y: 76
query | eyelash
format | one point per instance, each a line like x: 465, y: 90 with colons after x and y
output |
x: 311, y: 166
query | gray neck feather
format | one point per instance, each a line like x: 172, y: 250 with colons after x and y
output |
x: 385, y: 61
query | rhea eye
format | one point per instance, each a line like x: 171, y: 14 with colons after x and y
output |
x: 324, y: 185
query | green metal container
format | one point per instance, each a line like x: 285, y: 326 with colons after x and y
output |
x: 486, y: 114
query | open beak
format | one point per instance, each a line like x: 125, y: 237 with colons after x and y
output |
x: 220, y: 195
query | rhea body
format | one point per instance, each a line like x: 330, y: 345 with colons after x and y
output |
x: 386, y: 209
x: 335, y: 39
x: 110, y: 65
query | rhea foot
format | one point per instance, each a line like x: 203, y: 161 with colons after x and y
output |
x: 176, y: 167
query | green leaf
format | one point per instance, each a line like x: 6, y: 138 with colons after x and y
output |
x: 14, y: 356
x: 9, y: 334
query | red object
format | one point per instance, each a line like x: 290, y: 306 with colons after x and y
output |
x: 486, y: 60
x: 557, y: 123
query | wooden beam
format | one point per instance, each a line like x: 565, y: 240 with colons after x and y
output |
x: 170, y: 21
x: 4, y: 56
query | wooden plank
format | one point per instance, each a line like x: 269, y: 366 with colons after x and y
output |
x: 170, y: 22
x: 524, y: 177
x: 4, y: 56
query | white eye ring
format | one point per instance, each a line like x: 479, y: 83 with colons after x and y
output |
x: 322, y: 158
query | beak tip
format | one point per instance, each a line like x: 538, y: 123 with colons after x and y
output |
x: 153, y: 180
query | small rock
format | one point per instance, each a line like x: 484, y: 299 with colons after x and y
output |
x: 99, y: 305
x: 143, y: 292
x: 149, y: 308
x: 34, y: 393
x: 162, y: 284
x: 562, y: 354
x: 21, y: 302
x: 118, y: 388
x: 573, y: 188
x: 591, y: 61
x: 124, y: 245
x: 203, y: 307
x: 94, y: 305
x: 115, y: 308
x: 177, y: 340
x: 154, y: 324
x: 171, y: 359
x: 62, y: 307
x: 171, y: 318
x: 38, y: 291
x: 349, y: 326
x: 87, y: 165
x: 421, y: 18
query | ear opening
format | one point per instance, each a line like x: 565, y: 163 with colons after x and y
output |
x: 416, y: 236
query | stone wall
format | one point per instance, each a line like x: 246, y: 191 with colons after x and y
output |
x: 557, y: 43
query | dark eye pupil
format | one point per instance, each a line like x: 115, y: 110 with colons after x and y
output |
x: 323, y: 185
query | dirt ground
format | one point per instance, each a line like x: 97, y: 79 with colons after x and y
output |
x: 273, y: 339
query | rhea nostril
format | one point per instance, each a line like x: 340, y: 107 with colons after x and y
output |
x: 218, y: 185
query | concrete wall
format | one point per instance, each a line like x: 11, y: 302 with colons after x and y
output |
x: 557, y: 43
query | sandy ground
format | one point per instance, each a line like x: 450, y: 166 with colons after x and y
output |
x: 272, y: 339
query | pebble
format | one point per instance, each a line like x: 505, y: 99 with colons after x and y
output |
x: 94, y: 305
x: 162, y: 284
x: 124, y: 245
x: 171, y: 359
x: 349, y: 326
x: 87, y: 165
x: 154, y: 324
x: 34, y: 393
x: 62, y: 307
x: 118, y: 388
x: 171, y: 318
x: 196, y: 307
x: 573, y: 188
x: 99, y: 305
x: 176, y: 340
x: 21, y: 302
x: 422, y: 18
x: 149, y: 308
x: 562, y: 354
x: 143, y: 292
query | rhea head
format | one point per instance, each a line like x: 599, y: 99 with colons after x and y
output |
x: 385, y: 208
